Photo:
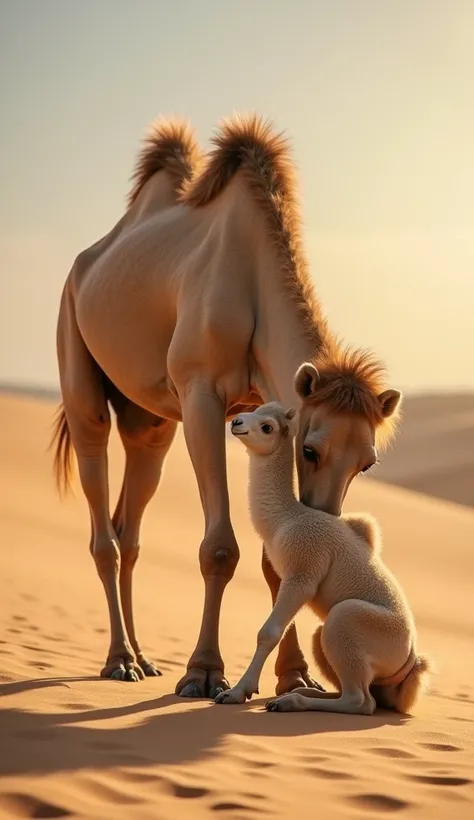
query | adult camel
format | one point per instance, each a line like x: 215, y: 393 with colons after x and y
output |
x: 196, y: 306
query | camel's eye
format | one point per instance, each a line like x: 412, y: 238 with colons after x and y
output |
x: 368, y: 467
x: 267, y: 429
x: 310, y: 455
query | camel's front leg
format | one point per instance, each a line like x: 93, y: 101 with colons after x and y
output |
x: 291, y: 668
x: 292, y: 595
x: 204, y: 429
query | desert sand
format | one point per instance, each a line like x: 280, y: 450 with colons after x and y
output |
x: 434, y: 451
x: 74, y: 745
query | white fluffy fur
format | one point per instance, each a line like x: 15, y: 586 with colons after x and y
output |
x: 335, y: 566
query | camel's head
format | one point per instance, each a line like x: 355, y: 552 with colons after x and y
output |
x: 345, y: 414
x: 262, y: 430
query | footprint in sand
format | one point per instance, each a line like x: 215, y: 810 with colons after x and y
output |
x: 441, y: 747
x: 126, y: 776
x: 235, y: 807
x: 79, y: 707
x: 24, y: 805
x: 379, y: 802
x: 311, y: 759
x: 329, y: 774
x: 187, y: 792
x: 438, y: 780
x: 464, y: 696
x: 461, y: 719
x: 386, y: 751
x: 40, y: 665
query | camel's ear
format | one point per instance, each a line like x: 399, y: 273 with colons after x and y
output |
x: 389, y: 401
x: 290, y: 414
x: 306, y: 378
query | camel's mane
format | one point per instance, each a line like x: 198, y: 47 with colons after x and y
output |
x: 169, y: 145
x: 350, y: 381
x: 251, y: 146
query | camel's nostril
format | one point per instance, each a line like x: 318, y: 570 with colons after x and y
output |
x: 236, y: 422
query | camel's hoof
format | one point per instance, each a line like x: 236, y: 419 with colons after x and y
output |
x: 202, y: 683
x: 295, y: 679
x: 191, y: 690
x: 125, y: 671
x: 118, y: 674
x: 216, y: 691
x: 150, y: 670
x: 234, y: 695
x: 279, y: 705
x: 132, y: 675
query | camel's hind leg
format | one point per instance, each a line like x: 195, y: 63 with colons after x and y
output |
x: 354, y: 635
x: 88, y: 419
x: 146, y: 439
x: 321, y: 660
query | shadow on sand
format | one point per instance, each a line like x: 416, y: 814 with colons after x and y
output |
x: 43, y: 743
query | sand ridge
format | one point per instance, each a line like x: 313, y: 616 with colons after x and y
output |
x: 77, y: 746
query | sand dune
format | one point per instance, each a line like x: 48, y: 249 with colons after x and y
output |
x: 434, y: 451
x: 74, y: 745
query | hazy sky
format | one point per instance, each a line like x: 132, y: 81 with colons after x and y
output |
x: 376, y: 95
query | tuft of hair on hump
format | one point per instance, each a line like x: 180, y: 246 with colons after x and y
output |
x: 365, y: 526
x: 249, y: 144
x: 351, y: 381
x: 169, y: 145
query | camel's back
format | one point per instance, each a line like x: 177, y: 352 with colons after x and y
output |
x: 169, y: 278
x: 351, y: 564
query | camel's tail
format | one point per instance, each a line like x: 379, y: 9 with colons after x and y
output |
x: 403, y: 697
x: 62, y: 444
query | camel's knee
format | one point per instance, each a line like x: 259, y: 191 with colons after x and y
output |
x: 128, y: 556
x: 269, y: 635
x: 90, y: 428
x: 359, y: 701
x: 106, y: 554
x: 219, y: 555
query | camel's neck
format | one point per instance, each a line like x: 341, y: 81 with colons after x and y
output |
x: 290, y: 327
x: 271, y: 493
x: 285, y: 335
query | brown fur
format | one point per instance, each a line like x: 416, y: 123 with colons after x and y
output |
x: 169, y: 145
x: 249, y: 145
x: 195, y: 306
x: 350, y: 381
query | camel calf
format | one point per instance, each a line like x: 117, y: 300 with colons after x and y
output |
x: 367, y: 645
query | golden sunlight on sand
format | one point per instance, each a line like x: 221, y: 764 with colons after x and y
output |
x: 73, y: 745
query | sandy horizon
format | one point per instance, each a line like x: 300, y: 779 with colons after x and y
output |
x: 77, y: 746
